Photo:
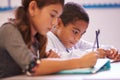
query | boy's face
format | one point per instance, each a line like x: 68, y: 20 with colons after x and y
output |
x: 70, y: 34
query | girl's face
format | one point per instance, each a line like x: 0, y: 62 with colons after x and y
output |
x: 43, y: 19
x: 70, y: 34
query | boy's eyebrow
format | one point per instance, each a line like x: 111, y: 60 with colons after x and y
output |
x: 77, y: 29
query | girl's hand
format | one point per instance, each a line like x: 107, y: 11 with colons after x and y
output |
x: 52, y: 54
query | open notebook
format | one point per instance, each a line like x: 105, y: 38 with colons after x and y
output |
x: 101, y: 65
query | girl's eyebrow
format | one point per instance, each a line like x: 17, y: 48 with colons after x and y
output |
x: 55, y: 11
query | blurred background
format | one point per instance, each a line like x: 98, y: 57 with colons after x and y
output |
x: 104, y: 15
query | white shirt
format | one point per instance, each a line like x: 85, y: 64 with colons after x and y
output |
x: 76, y: 51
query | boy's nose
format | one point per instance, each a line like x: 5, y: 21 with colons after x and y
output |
x: 77, y: 38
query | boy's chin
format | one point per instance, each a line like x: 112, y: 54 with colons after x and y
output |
x: 70, y: 46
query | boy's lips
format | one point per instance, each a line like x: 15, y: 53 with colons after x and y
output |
x: 73, y: 43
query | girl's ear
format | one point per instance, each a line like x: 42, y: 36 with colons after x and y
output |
x: 32, y: 8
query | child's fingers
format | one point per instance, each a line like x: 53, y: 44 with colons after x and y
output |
x: 101, y: 53
x: 117, y: 57
x: 114, y: 55
x: 111, y: 53
x: 113, y: 50
x: 48, y: 54
x: 52, y: 54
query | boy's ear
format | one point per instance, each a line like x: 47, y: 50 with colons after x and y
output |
x: 60, y: 23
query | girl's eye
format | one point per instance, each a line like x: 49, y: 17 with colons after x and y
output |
x: 52, y: 15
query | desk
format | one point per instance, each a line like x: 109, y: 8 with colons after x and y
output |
x: 112, y: 74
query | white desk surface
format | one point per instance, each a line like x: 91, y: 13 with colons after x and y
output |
x: 112, y: 74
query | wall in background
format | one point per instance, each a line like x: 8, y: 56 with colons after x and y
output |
x: 108, y: 21
x: 105, y: 18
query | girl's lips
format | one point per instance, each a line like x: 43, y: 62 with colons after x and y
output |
x: 48, y: 29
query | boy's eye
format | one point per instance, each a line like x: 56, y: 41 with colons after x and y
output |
x: 83, y: 33
x: 75, y: 32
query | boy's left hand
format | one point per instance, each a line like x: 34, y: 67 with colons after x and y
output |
x: 52, y: 54
x: 111, y: 54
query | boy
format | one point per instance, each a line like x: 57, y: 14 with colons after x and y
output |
x: 64, y: 38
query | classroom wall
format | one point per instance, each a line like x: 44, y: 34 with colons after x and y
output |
x: 105, y: 19
x: 108, y: 21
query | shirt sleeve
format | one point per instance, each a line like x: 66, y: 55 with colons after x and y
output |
x: 16, y: 47
x: 84, y: 45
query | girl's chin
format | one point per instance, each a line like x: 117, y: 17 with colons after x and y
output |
x: 44, y: 33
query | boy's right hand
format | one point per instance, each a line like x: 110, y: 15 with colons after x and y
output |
x: 88, y: 60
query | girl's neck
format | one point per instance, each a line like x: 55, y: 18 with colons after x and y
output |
x: 33, y: 33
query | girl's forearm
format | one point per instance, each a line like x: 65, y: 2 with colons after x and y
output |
x: 48, y: 66
x: 53, y: 65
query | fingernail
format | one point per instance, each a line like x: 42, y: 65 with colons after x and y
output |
x: 50, y: 50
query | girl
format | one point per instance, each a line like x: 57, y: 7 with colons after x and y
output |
x: 23, y: 41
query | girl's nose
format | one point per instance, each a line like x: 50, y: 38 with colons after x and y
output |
x: 55, y: 22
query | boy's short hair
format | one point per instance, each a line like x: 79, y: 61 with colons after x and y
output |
x: 73, y: 12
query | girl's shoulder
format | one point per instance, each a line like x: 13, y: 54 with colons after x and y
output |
x: 8, y: 29
x: 8, y: 26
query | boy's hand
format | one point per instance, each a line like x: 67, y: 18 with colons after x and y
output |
x: 88, y: 60
x: 111, y: 54
x: 101, y: 53
x: 52, y: 54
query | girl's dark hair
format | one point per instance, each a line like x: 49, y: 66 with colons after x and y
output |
x: 73, y: 12
x: 23, y: 23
